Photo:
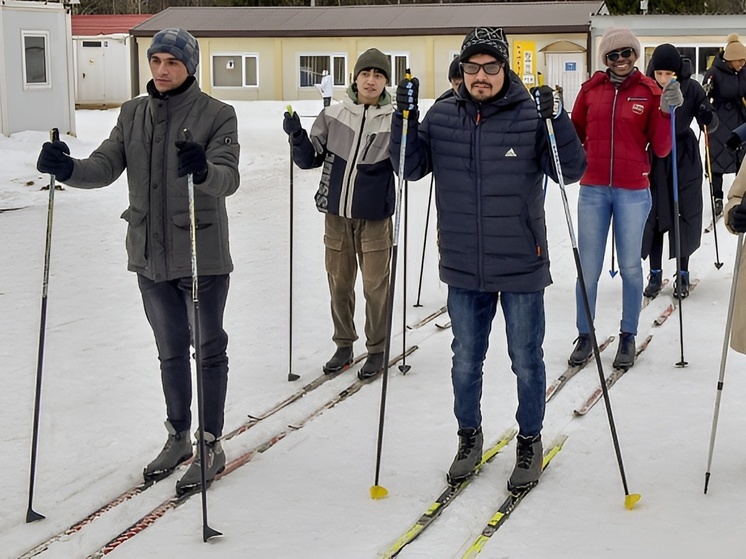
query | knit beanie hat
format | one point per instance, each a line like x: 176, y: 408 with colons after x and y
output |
x: 373, y: 58
x: 617, y: 38
x: 454, y: 70
x: 734, y: 50
x: 179, y: 43
x: 666, y: 57
x: 485, y: 40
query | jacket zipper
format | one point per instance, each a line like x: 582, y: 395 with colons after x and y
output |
x: 611, y: 158
x: 347, y: 211
x: 368, y: 145
x: 477, y: 162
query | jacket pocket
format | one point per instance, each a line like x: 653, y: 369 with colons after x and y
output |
x: 208, y: 240
x: 137, y: 237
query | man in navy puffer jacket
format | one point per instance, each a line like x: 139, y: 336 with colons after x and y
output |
x: 489, y: 150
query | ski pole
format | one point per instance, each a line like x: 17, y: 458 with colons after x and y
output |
x: 723, y: 357
x: 31, y: 514
x: 424, y: 240
x: 613, y: 272
x: 291, y: 375
x: 207, y: 532
x: 404, y: 368
x: 718, y: 264
x: 377, y: 491
x: 677, y: 233
x: 629, y: 499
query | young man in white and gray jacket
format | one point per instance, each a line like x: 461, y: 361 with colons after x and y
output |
x: 148, y: 141
x: 356, y: 192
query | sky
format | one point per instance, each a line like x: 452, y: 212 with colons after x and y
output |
x: 307, y: 494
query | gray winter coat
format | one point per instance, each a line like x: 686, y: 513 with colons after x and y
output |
x: 158, y: 242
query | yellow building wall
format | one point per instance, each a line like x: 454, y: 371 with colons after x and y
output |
x: 429, y: 58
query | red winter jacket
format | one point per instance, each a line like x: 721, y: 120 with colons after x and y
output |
x: 616, y: 126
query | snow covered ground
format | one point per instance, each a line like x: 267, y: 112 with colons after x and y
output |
x: 307, y: 496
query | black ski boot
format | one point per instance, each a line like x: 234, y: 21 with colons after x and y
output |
x: 655, y: 284
x: 178, y: 449
x: 625, y: 355
x: 529, y: 458
x: 681, y: 288
x: 214, y: 464
x: 373, y: 365
x: 470, y: 443
x: 582, y: 351
x: 718, y: 207
x: 339, y: 361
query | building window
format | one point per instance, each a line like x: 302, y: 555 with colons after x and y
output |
x: 235, y: 70
x: 311, y: 68
x: 35, y: 59
x: 399, y: 65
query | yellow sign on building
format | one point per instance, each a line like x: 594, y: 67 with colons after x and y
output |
x: 524, y: 61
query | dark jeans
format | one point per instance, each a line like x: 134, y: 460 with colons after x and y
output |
x: 471, y: 315
x: 327, y: 101
x: 170, y: 311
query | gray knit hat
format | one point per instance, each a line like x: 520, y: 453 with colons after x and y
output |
x: 373, y: 58
x: 485, y: 40
x: 178, y: 43
x: 617, y: 38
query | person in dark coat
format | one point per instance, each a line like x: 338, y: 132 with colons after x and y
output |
x: 666, y: 64
x: 725, y: 84
x: 488, y: 150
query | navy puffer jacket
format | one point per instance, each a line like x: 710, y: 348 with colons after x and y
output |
x: 489, y: 160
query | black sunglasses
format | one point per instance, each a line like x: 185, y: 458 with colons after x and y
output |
x: 491, y: 68
x: 614, y: 56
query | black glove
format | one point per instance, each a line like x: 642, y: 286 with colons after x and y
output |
x: 406, y: 96
x: 291, y: 125
x: 548, y: 104
x: 192, y: 160
x: 737, y: 218
x: 705, y: 115
x: 55, y: 159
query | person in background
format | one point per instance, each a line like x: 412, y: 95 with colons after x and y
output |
x: 617, y: 114
x: 725, y: 84
x: 356, y: 194
x: 667, y: 64
x: 158, y: 232
x: 488, y: 150
x: 326, y: 87
x: 454, y: 77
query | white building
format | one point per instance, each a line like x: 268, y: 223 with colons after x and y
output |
x: 103, y: 48
x: 36, y: 81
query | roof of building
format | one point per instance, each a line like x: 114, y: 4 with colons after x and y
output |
x: 375, y: 20
x: 95, y: 25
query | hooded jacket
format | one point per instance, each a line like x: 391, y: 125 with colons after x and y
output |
x: 158, y: 232
x: 727, y: 89
x: 616, y: 126
x: 351, y: 141
x: 489, y: 160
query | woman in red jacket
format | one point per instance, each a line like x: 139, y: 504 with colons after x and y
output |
x: 616, y: 115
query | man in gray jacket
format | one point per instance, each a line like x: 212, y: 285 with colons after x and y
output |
x: 148, y: 140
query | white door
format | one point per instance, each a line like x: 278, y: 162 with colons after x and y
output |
x: 91, y: 72
x: 566, y: 69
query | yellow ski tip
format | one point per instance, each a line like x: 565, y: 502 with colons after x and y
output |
x: 289, y: 109
x: 378, y: 492
x: 631, y: 500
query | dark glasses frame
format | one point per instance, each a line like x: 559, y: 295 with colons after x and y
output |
x: 624, y: 53
x: 490, y: 68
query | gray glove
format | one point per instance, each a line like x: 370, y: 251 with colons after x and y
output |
x: 671, y: 96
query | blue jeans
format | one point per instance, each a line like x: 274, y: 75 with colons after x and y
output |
x: 630, y: 209
x: 471, y: 314
x: 170, y: 311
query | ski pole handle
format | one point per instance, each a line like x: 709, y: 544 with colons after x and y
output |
x: 289, y: 109
x: 54, y: 134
